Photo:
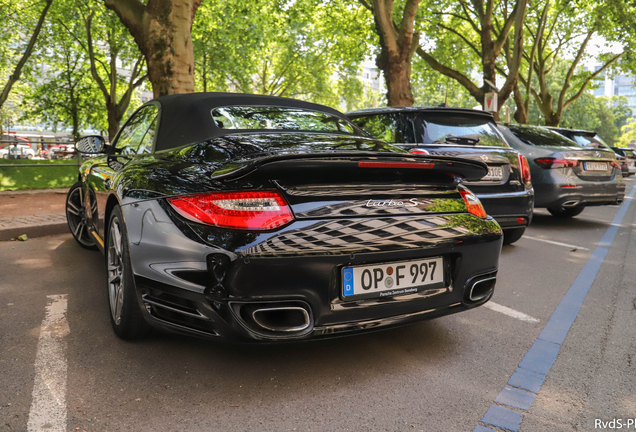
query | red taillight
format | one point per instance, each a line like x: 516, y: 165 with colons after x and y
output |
x: 472, y: 203
x: 419, y: 151
x: 552, y: 163
x: 420, y: 165
x: 615, y: 164
x: 239, y: 210
x: 524, y: 167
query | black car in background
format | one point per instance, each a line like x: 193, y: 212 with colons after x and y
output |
x: 258, y: 218
x: 566, y: 177
x: 506, y: 192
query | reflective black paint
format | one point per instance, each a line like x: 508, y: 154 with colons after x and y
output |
x: 204, y: 280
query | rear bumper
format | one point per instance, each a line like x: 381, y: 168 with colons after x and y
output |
x: 580, y: 193
x: 315, y: 285
x: 197, y: 283
x: 509, y: 209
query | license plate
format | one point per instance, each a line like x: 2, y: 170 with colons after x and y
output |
x: 595, y: 166
x: 494, y: 173
x: 382, y: 280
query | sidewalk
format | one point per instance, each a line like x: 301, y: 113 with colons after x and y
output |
x: 35, y: 213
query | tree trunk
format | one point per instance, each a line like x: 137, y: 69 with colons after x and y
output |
x: 168, y: 50
x: 398, y: 42
x: 397, y: 73
x: 162, y: 30
x: 521, y: 114
x: 113, y: 121
x: 75, y: 116
x: 553, y: 119
x: 205, y: 71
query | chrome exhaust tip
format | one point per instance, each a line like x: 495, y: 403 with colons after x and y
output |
x: 282, y: 318
x: 482, y: 289
x: 572, y: 203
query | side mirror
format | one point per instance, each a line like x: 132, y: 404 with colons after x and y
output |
x: 91, y: 144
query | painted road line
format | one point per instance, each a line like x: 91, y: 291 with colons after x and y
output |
x: 524, y: 385
x: 510, y: 312
x: 555, y: 243
x: 48, y: 406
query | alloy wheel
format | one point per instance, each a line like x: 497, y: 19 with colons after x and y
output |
x: 115, y: 271
x: 76, y: 216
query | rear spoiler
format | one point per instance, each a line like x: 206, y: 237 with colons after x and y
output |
x: 354, y: 165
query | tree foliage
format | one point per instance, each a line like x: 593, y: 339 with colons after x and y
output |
x: 462, y: 36
x: 307, y: 49
x: 22, y: 23
x: 62, y: 90
x: 91, y: 57
x: 559, y: 34
x: 115, y: 63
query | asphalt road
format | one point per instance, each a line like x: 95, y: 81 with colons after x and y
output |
x: 439, y: 375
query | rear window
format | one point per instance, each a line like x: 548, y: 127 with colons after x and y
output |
x: 279, y: 118
x: 432, y: 128
x: 542, y: 137
x: 454, y: 128
x: 391, y: 127
x: 594, y: 141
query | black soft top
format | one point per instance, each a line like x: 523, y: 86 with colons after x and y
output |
x: 187, y: 118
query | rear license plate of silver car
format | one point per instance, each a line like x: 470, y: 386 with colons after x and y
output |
x: 595, y: 166
x: 494, y: 174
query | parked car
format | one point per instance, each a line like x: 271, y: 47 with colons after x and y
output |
x: 260, y: 218
x: 583, y: 138
x: 627, y: 159
x: 565, y: 176
x: 590, y: 139
x: 506, y: 191
x: 17, y: 151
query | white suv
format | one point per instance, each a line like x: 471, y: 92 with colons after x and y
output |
x: 21, y: 151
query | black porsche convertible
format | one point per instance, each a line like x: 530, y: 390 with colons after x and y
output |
x: 258, y: 218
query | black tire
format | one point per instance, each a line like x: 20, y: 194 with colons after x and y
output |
x: 76, y: 216
x: 512, y: 235
x: 125, y: 312
x: 562, y: 212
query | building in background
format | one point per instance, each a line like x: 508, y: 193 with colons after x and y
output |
x: 371, y: 77
x: 617, y: 85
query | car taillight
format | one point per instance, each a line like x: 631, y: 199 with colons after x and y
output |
x: 552, y: 163
x: 615, y: 164
x: 472, y: 203
x: 524, y: 167
x: 416, y: 165
x: 419, y: 151
x: 238, y: 210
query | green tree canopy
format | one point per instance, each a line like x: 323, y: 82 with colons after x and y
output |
x: 307, y: 49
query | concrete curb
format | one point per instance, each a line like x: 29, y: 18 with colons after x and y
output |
x: 34, y: 231
x: 33, y: 226
x: 34, y: 191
